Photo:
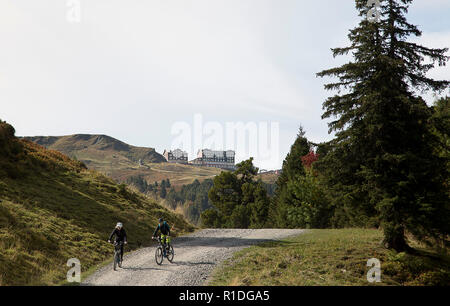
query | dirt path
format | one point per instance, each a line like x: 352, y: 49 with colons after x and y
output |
x: 196, y: 255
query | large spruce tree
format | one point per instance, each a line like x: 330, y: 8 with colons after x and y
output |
x: 291, y: 169
x: 382, y: 162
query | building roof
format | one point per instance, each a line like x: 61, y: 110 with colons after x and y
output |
x: 215, y: 153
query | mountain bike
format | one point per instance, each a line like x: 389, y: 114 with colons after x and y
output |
x: 159, y: 252
x: 116, y: 260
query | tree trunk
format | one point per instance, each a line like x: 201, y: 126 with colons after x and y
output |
x: 394, y: 238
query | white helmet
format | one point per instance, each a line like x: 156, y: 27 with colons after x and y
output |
x: 119, y: 225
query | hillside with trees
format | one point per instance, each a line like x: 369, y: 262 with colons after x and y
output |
x: 387, y: 166
x: 382, y: 183
x: 190, y: 200
x: 52, y: 208
x: 123, y: 162
x: 239, y: 201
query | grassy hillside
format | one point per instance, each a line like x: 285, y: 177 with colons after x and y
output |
x: 120, y: 161
x: 178, y: 174
x: 99, y: 150
x: 332, y: 257
x: 52, y: 208
x: 268, y: 177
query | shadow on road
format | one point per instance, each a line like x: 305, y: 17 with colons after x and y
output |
x: 142, y: 269
x: 220, y: 242
x: 187, y: 263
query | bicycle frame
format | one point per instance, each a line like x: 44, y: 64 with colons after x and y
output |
x: 163, y: 248
x: 117, y: 253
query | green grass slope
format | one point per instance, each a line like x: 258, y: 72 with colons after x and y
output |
x: 178, y: 174
x: 333, y: 257
x: 52, y: 208
x: 101, y: 149
x: 120, y: 161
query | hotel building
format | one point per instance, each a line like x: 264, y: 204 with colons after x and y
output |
x: 216, y: 159
x: 176, y: 156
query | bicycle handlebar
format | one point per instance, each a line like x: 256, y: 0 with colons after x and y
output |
x: 117, y: 243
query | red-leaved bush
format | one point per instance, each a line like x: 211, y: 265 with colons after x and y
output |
x: 309, y: 159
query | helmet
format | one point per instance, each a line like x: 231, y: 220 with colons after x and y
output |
x: 119, y: 225
x: 161, y: 220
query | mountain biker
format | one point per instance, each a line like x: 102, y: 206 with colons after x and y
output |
x: 121, y: 236
x: 164, y: 228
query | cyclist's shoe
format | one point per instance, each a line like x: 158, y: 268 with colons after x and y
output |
x: 120, y: 264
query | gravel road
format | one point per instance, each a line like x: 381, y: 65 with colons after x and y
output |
x: 196, y: 255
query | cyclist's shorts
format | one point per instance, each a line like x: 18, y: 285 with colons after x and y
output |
x: 163, y: 238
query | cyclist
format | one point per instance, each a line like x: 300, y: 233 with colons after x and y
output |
x: 164, y: 228
x: 121, y: 236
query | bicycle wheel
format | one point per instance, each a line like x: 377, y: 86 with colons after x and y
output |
x: 170, y: 253
x: 159, y: 255
x: 116, y: 260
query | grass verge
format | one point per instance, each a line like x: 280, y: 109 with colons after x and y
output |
x: 332, y: 257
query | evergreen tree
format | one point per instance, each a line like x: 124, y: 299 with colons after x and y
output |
x: 172, y: 198
x: 163, y: 192
x: 259, y: 207
x: 212, y: 218
x: 441, y: 125
x: 292, y: 167
x: 382, y: 160
x: 139, y: 182
x: 192, y: 197
x: 246, y: 170
x: 308, y: 207
x: 238, y: 200
x: 225, y: 194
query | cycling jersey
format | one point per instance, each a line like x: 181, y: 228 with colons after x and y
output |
x: 121, y: 235
x: 164, y: 228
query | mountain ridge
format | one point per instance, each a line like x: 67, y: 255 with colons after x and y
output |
x: 122, y: 161
x: 87, y: 147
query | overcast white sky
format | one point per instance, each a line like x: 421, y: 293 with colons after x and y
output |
x: 131, y: 69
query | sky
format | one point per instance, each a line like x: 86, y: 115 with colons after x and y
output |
x: 138, y: 70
